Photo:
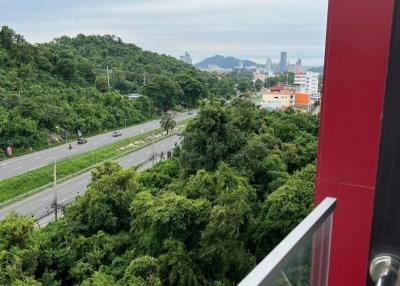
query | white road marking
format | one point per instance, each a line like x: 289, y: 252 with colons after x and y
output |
x: 64, y: 200
x: 81, y: 183
x: 48, y: 192
x: 4, y: 164
x: 38, y: 157
x: 17, y: 168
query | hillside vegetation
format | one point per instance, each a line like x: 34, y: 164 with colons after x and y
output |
x: 242, y: 179
x: 224, y: 62
x: 51, y: 89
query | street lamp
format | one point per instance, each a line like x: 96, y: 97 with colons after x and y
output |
x: 65, y: 131
x: 124, y: 119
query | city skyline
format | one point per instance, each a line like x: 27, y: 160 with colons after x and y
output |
x: 263, y: 59
x: 253, y: 29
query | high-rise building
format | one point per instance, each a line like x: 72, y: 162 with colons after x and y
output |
x: 295, y: 68
x: 299, y: 68
x: 268, y: 66
x: 186, y: 58
x: 291, y: 68
x: 308, y: 82
x: 283, y: 62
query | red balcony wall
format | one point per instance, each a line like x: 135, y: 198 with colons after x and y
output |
x: 357, y: 47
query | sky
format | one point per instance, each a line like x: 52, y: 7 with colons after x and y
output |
x: 247, y: 29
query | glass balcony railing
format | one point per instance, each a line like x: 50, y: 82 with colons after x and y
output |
x: 302, y: 258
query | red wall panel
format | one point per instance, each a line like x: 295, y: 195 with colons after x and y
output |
x: 357, y: 47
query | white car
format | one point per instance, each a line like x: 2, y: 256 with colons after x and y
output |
x: 117, y: 133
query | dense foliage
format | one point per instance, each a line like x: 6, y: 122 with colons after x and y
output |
x: 242, y: 179
x: 280, y: 78
x: 49, y: 90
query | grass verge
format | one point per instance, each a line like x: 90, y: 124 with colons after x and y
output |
x: 18, y: 187
x: 71, y: 138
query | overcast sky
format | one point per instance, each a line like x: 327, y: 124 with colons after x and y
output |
x: 247, y: 29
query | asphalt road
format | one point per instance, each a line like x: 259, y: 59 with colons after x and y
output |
x: 12, y: 167
x: 39, y: 205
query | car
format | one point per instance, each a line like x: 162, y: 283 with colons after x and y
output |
x: 82, y: 140
x: 190, y: 112
x: 117, y: 133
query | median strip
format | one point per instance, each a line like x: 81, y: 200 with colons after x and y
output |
x: 21, y: 186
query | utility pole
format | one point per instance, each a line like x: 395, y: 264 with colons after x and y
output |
x: 91, y: 149
x: 108, y: 79
x: 55, y: 202
x: 154, y: 154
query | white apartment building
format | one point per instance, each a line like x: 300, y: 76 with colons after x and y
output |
x: 277, y: 100
x: 308, y: 82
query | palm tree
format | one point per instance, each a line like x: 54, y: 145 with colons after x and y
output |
x: 167, y: 121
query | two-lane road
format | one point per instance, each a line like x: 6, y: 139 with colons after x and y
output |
x: 13, y: 167
x: 39, y: 205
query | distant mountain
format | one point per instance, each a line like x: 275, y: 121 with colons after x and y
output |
x: 224, y: 62
x: 319, y: 69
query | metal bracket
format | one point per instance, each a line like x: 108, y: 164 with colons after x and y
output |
x: 384, y: 270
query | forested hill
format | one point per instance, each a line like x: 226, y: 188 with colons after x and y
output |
x: 224, y: 62
x: 85, y: 59
x: 48, y: 90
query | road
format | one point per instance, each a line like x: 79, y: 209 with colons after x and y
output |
x: 13, y: 167
x: 39, y: 205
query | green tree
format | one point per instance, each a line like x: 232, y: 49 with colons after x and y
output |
x: 168, y: 216
x: 3, y: 119
x: 164, y: 92
x: 18, y: 254
x: 258, y: 85
x: 250, y: 160
x: 284, y: 209
x: 209, y: 138
x: 177, y: 266
x: 99, y: 279
x: 245, y: 85
x: 193, y: 90
x: 142, y: 271
x: 105, y: 205
x: 223, y: 253
x: 167, y: 121
x: 8, y: 37
x: 276, y: 172
x: 271, y: 81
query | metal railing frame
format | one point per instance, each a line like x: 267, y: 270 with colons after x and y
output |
x: 272, y: 265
